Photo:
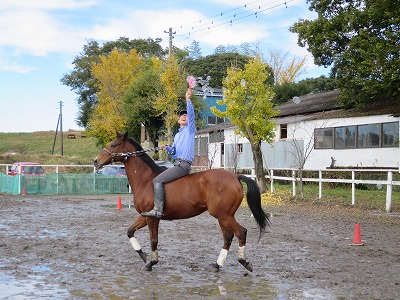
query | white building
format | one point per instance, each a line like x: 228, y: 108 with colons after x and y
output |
x: 318, y: 127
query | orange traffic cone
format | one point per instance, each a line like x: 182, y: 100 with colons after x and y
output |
x: 24, y: 191
x: 357, y: 236
x: 119, y: 203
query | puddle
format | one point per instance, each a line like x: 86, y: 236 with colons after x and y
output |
x: 29, y: 288
x: 167, y: 287
x: 385, y: 214
x: 42, y: 234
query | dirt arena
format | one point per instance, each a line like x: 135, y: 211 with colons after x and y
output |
x: 75, y: 247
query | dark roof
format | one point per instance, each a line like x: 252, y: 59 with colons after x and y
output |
x: 310, y: 103
x: 326, y: 105
x: 217, y: 127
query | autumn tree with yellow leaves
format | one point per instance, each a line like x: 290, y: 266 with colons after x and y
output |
x: 169, y: 101
x: 248, y: 101
x: 114, y: 73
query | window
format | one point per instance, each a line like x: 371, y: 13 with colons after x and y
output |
x: 358, y: 136
x: 211, y: 120
x: 216, y: 136
x: 368, y: 135
x: 390, y: 134
x: 345, y: 137
x: 323, y: 138
x: 283, y: 131
x: 239, y: 148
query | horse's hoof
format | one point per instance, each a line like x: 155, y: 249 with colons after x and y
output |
x: 142, y: 255
x: 215, y: 266
x: 150, y: 265
x: 246, y: 264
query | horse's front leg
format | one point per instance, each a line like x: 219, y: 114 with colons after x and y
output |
x: 139, y: 223
x: 153, y: 229
x: 228, y: 237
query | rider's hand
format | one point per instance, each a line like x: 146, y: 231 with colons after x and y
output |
x: 188, y: 94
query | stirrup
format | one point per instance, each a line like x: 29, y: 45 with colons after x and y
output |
x: 153, y: 213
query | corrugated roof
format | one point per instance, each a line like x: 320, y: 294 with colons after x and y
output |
x: 310, y: 103
x: 217, y: 127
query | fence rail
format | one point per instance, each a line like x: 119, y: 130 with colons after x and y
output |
x: 92, y: 183
x: 353, y: 181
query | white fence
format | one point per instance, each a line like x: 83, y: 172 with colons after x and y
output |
x: 388, y: 181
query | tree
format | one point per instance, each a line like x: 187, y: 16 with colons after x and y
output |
x: 139, y: 98
x: 360, y: 39
x: 194, y: 50
x: 286, y: 69
x: 248, y: 100
x: 167, y: 101
x: 114, y: 75
x: 81, y: 81
x: 214, y: 66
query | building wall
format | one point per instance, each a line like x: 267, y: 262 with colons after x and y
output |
x: 282, y: 153
x: 365, y: 157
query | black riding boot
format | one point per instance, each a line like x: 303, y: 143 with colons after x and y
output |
x: 157, y: 211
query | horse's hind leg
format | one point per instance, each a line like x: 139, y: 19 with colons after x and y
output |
x: 139, y: 223
x: 232, y: 226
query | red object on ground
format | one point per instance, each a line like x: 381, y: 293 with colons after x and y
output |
x: 119, y: 203
x: 357, y: 236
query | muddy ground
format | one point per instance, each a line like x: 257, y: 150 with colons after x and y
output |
x: 75, y: 247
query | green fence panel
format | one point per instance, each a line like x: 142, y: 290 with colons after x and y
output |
x: 64, y: 184
x: 10, y: 184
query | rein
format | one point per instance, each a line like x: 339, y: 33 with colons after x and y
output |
x: 130, y: 154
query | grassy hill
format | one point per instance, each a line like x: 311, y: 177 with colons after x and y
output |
x: 37, y: 147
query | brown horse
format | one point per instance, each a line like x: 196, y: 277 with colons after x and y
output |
x: 218, y: 191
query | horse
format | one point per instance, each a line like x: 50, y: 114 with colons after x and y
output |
x: 216, y: 190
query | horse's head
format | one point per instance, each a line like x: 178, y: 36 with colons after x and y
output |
x: 116, y: 151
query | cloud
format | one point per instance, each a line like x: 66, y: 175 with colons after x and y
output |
x: 16, y: 68
x: 44, y: 4
x: 32, y: 28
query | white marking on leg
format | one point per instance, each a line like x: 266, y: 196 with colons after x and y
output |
x: 154, y: 255
x: 222, y: 257
x: 241, y: 252
x: 135, y: 243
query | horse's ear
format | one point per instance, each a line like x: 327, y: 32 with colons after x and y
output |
x: 125, y: 135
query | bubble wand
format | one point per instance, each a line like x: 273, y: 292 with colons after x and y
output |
x: 191, y: 82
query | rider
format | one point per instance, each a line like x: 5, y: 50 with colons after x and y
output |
x: 183, y: 150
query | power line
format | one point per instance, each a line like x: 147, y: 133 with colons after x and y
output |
x: 232, y: 19
x: 218, y: 15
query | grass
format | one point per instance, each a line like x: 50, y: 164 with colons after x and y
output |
x: 37, y: 147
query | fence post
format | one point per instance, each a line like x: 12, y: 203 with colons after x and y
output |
x: 272, y: 180
x: 389, y: 189
x: 320, y: 184
x: 294, y: 183
x: 353, y: 188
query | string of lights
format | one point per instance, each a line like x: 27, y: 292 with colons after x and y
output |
x: 228, y: 18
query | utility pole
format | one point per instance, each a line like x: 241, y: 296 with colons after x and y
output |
x: 59, y: 122
x: 170, y: 40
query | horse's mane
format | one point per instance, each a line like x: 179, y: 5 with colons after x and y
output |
x: 145, y: 157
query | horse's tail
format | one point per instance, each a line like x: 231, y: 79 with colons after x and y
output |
x: 253, y: 197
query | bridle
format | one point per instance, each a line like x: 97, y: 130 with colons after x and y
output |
x: 129, y: 154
